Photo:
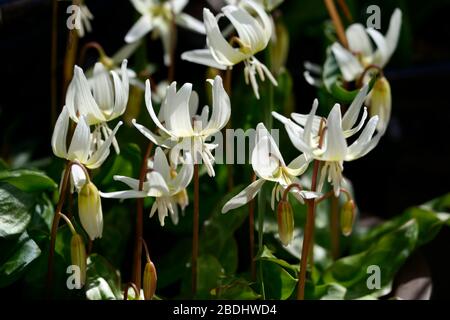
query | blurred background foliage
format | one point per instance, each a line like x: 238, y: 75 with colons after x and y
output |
x: 409, y: 166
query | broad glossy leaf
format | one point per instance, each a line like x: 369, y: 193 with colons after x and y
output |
x: 278, y: 283
x: 388, y: 253
x: 102, y: 280
x: 28, y: 180
x: 17, y: 254
x: 15, y: 206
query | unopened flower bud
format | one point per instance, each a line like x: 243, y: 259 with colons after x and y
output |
x: 90, y: 210
x: 379, y: 101
x: 149, y: 280
x: 285, y: 218
x: 78, y: 255
x: 347, y: 217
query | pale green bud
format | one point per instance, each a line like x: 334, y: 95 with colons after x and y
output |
x: 149, y: 279
x: 285, y: 217
x: 78, y: 255
x: 347, y: 217
x: 90, y: 210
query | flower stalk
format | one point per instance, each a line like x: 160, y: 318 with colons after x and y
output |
x: 195, y: 230
x: 136, y: 271
x: 337, y: 22
x: 54, y: 229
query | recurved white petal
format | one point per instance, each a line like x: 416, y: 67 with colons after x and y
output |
x: 352, y: 113
x: 244, y: 196
x: 222, y: 51
x: 221, y: 108
x: 176, y: 110
x: 190, y: 22
x: 100, y: 155
x: 204, y: 57
x: 348, y: 63
x: 358, y: 148
x: 358, y: 40
x: 140, y: 28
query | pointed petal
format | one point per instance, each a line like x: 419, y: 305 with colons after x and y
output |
x: 60, y: 134
x: 221, y: 108
x: 191, y: 23
x: 139, y: 29
x: 151, y: 111
x: 102, y: 153
x: 348, y: 64
x: 132, y: 183
x: 126, y: 194
x: 352, y: 113
x: 358, y: 40
x: 81, y: 141
x: 359, y: 148
x: 298, y: 166
x: 220, y: 48
x: 161, y: 165
x: 204, y: 57
x: 244, y: 196
x: 176, y: 110
x: 336, y: 148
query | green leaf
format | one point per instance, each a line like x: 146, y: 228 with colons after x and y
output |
x: 28, y: 180
x: 14, y: 210
x: 267, y: 255
x: 388, y: 253
x: 17, y: 254
x: 208, y: 275
x: 102, y: 280
x: 278, y: 283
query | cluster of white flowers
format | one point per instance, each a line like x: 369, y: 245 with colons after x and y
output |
x: 183, y: 130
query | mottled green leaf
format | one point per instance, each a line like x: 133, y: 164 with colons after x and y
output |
x: 15, y: 208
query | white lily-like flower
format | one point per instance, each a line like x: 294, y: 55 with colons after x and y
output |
x: 100, y: 99
x: 162, y: 183
x: 82, y: 19
x: 157, y: 17
x: 85, y: 148
x: 254, y: 33
x: 181, y: 128
x: 325, y: 139
x: 361, y: 54
x: 269, y: 166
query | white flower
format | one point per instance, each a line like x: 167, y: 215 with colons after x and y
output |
x: 157, y: 16
x: 103, y: 98
x: 379, y: 102
x: 254, y: 34
x: 268, y: 164
x: 361, y: 54
x: 305, y: 134
x: 162, y: 183
x: 85, y: 148
x: 83, y: 20
x: 180, y: 128
x: 100, y: 99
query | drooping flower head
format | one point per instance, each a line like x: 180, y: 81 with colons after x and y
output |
x: 253, y: 35
x: 325, y: 139
x: 163, y: 182
x: 269, y: 166
x: 181, y: 129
